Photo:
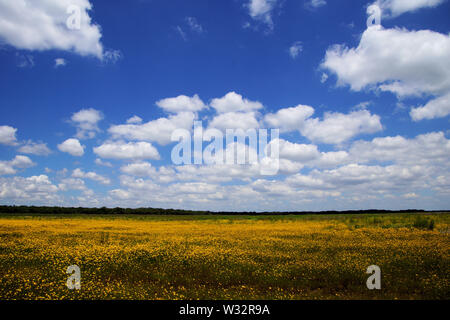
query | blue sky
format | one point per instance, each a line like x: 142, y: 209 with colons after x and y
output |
x: 363, y: 110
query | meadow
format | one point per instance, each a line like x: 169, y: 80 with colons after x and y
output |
x: 225, y: 257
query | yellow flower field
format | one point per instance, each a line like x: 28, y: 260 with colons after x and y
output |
x: 223, y: 257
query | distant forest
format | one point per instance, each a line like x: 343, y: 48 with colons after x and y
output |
x: 155, y: 211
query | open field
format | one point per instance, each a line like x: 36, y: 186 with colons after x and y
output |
x: 225, y: 257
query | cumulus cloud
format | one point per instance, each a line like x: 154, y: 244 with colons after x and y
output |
x: 181, y: 103
x: 384, y: 61
x: 44, y: 25
x: 72, y: 147
x: 233, y: 102
x: 140, y: 169
x: 38, y: 149
x: 261, y: 10
x: 134, y: 120
x: 431, y: 149
x: 35, y: 189
x: 436, y: 108
x: 100, y: 162
x: 86, y: 122
x: 235, y: 120
x: 127, y: 151
x: 8, y: 135
x: 78, y: 173
x: 289, y: 119
x: 394, y: 8
x: 335, y: 128
x: 19, y: 162
x: 159, y: 130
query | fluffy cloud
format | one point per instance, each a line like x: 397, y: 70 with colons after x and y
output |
x: 436, y: 108
x: 78, y: 173
x: 235, y: 120
x: 38, y: 189
x: 72, y: 147
x: 159, y: 130
x: 86, y: 121
x: 395, y: 8
x: 19, y: 162
x: 335, y: 128
x: 383, y: 61
x: 140, y: 169
x: 261, y: 10
x: 431, y: 149
x: 8, y: 135
x: 181, y: 104
x: 289, y: 119
x: 131, y: 150
x: 19, y: 21
x: 233, y: 102
x: 39, y: 149
x: 134, y: 120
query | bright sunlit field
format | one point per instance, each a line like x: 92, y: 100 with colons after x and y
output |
x: 225, y: 257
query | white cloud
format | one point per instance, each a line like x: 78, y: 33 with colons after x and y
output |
x: 431, y: 149
x: 297, y: 152
x: 233, y: 102
x: 295, y: 49
x: 395, y: 8
x: 436, y: 108
x: 42, y: 25
x: 19, y: 162
x: 37, y: 189
x: 313, y: 4
x: 39, y: 149
x: 131, y: 150
x: 261, y: 10
x: 134, y: 120
x: 78, y: 173
x: 60, y: 62
x: 86, y: 121
x: 102, y: 163
x: 323, y: 78
x: 72, y: 146
x: 159, y: 130
x: 235, y: 120
x: 289, y: 119
x: 383, y: 61
x: 140, y: 169
x: 337, y: 128
x: 8, y: 135
x: 181, y: 104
